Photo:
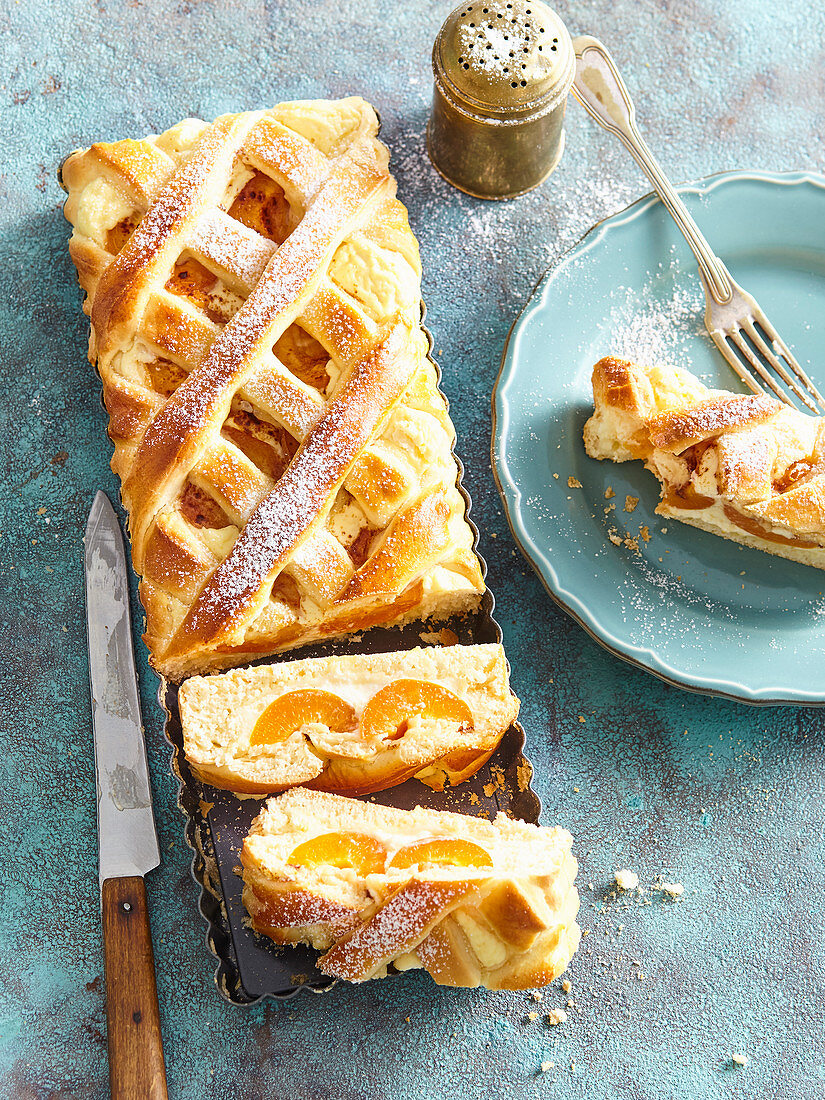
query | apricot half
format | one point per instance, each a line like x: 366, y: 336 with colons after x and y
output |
x: 290, y: 712
x: 454, y: 853
x: 367, y: 855
x: 388, y: 714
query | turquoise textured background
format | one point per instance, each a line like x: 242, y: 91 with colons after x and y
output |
x: 726, y: 799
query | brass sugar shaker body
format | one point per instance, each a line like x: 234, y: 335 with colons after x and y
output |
x: 502, y: 72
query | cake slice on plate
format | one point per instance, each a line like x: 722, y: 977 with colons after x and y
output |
x: 743, y: 466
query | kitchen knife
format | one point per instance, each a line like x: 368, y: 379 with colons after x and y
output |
x: 126, y: 826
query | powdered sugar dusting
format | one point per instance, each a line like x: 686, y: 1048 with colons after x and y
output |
x: 499, y: 41
x: 651, y: 332
x: 232, y: 247
x: 396, y: 928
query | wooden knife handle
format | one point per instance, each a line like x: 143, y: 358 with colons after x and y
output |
x: 136, y: 1069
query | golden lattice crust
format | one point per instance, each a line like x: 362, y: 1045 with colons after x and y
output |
x: 511, y: 925
x: 442, y: 744
x: 285, y: 454
x: 742, y: 466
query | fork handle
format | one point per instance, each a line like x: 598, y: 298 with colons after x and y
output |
x: 600, y: 89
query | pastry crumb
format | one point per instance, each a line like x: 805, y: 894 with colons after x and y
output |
x: 532, y: 1016
x: 739, y: 1059
x: 609, y: 493
x: 536, y: 994
x: 644, y: 532
x: 631, y: 543
x: 673, y: 889
x: 545, y: 1066
x: 582, y: 718
x: 556, y: 1016
x: 630, y: 503
x: 573, y: 483
x: 556, y: 476
x: 567, y: 985
x: 614, y: 537
x: 625, y: 879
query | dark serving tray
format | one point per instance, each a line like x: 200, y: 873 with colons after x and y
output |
x: 251, y: 966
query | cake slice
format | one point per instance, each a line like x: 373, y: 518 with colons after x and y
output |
x: 743, y: 466
x: 349, y: 724
x: 473, y: 902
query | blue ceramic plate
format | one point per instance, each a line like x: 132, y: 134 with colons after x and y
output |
x: 697, y: 610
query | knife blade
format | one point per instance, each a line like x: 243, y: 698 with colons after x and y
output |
x: 126, y: 826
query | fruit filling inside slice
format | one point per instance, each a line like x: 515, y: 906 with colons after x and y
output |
x: 388, y: 714
x: 367, y: 855
x: 296, y: 709
x: 450, y: 852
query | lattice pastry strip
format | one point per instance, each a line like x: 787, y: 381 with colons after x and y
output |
x: 285, y: 454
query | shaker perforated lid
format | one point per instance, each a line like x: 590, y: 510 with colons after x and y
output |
x: 505, y: 57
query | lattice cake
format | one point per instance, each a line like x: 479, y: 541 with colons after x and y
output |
x: 284, y: 451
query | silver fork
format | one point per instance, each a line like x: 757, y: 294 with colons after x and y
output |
x: 737, y: 325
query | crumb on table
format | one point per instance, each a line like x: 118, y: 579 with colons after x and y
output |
x: 625, y: 879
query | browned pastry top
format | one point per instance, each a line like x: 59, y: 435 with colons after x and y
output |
x: 285, y: 454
